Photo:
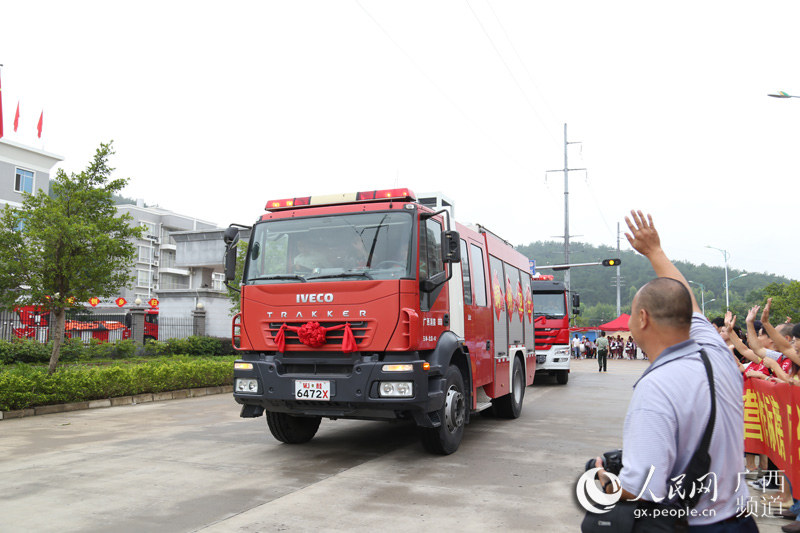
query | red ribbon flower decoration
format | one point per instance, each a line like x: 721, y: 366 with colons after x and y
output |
x: 313, y: 334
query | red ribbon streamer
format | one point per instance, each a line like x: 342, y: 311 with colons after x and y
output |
x: 313, y: 335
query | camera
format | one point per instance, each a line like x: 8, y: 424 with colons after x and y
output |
x: 612, y: 462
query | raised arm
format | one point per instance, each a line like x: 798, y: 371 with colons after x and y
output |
x: 645, y: 240
x: 752, y: 334
x: 781, y: 344
x: 746, y: 352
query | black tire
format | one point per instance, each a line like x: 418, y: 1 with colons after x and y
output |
x: 562, y: 377
x: 510, y: 405
x: 446, y: 438
x: 293, y: 429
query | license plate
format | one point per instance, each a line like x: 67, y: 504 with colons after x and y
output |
x: 541, y: 359
x: 312, y: 390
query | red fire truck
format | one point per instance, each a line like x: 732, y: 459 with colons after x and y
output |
x: 369, y: 306
x: 551, y: 314
x: 34, y: 323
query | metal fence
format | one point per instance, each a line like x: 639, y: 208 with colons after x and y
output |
x: 87, y: 325
x: 176, y: 327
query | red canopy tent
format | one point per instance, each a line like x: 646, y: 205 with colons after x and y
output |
x: 618, y: 324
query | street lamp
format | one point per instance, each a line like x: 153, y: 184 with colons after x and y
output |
x: 782, y: 94
x: 727, y: 283
x: 726, y: 256
x: 702, y: 295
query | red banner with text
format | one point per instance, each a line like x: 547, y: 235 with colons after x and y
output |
x: 772, y: 425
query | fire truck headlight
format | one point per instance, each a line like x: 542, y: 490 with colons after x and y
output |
x: 397, y: 368
x: 246, y: 385
x: 562, y: 352
x: 396, y: 389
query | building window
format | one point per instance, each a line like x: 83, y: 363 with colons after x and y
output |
x: 145, y: 254
x: 142, y: 278
x: 24, y: 181
x: 218, y: 281
x: 149, y: 230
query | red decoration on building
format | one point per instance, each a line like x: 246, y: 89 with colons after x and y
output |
x: 120, y: 301
x: 153, y: 302
x: 93, y: 301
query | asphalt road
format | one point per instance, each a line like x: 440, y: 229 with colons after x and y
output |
x: 194, y: 465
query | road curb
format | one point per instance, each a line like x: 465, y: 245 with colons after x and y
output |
x: 115, y: 402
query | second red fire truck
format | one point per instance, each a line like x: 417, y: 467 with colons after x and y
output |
x: 552, y: 326
x: 373, y: 306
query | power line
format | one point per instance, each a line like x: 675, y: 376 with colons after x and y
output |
x: 441, y: 91
x: 508, y: 69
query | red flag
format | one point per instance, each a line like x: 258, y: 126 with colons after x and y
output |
x: 16, y: 118
x: 39, y: 127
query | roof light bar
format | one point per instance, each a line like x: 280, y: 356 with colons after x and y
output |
x: 347, y: 198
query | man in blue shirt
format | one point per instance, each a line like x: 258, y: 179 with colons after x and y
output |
x: 671, y: 402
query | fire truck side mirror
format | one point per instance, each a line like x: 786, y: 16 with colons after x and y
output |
x: 576, y: 300
x: 231, y: 236
x: 231, y: 239
x: 451, y: 247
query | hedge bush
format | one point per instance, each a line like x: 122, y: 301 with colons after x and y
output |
x: 24, y: 386
x: 73, y: 350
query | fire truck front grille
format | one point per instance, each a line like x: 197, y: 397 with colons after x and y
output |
x: 316, y: 369
x: 362, y: 332
x: 545, y: 338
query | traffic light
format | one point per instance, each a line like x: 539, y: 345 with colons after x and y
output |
x: 611, y: 262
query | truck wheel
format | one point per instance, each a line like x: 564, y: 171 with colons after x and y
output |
x: 293, y: 429
x: 562, y: 377
x: 445, y: 439
x: 510, y: 405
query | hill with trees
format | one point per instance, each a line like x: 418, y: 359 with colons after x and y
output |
x: 597, y: 285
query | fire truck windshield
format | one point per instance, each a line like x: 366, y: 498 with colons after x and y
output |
x: 372, y: 245
x: 550, y: 305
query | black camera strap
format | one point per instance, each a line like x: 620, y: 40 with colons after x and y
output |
x: 700, y: 463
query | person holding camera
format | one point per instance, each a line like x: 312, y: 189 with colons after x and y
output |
x: 671, y: 403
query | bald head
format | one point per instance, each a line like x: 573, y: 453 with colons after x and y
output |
x: 667, y: 302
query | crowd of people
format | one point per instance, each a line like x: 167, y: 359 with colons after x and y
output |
x: 768, y: 353
x: 618, y: 348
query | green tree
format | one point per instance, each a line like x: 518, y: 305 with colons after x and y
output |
x: 65, y: 247
x: 785, y: 301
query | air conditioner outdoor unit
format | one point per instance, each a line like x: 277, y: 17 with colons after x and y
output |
x: 155, y: 287
x: 155, y: 254
x: 155, y: 263
x: 155, y: 275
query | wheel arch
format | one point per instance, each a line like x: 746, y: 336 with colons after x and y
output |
x: 452, y: 350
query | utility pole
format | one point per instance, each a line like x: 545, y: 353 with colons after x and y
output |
x: 566, y: 170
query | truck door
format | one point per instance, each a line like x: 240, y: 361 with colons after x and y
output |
x: 500, y: 290
x: 477, y: 313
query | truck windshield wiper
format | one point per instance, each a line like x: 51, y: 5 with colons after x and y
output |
x: 342, y: 275
x: 279, y: 276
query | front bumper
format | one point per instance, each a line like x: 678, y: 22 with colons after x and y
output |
x: 354, y: 388
x: 553, y: 360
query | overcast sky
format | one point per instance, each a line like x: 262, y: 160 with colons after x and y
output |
x: 215, y: 108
